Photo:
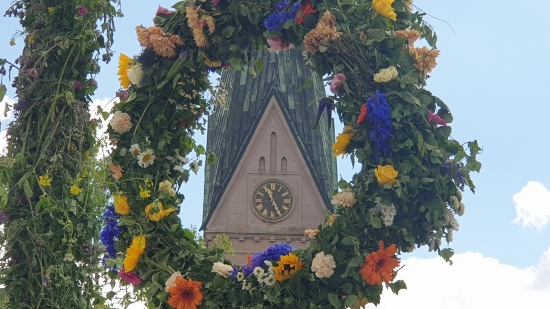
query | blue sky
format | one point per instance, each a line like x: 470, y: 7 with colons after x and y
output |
x: 493, y: 73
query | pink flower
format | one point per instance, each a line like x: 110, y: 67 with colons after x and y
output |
x: 276, y: 44
x: 215, y: 2
x: 130, y: 277
x: 164, y: 11
x: 434, y: 118
x: 81, y: 10
x: 337, y: 82
x: 123, y: 94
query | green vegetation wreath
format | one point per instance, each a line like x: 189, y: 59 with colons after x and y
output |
x: 406, y: 195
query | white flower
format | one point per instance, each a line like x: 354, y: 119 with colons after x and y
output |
x: 449, y: 235
x: 134, y: 150
x: 183, y: 160
x: 346, y: 198
x: 146, y: 158
x: 240, y: 276
x: 388, y: 213
x: 172, y: 280
x: 323, y: 265
x: 135, y: 74
x: 178, y: 168
x: 258, y: 272
x: 222, y: 269
x: 461, y: 209
x: 450, y: 220
x: 455, y: 204
x: 247, y: 285
x: 165, y: 187
x: 121, y: 122
x: 270, y: 281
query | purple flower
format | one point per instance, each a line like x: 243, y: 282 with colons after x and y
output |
x: 381, y: 125
x: 3, y: 217
x: 283, y: 12
x: 111, y: 232
x: 324, y: 104
x: 81, y: 10
x: 455, y: 173
x: 32, y: 73
x: 164, y: 11
x: 77, y: 85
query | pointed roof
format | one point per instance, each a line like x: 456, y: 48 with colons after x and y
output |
x: 231, y: 126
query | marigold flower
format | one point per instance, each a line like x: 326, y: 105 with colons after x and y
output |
x: 384, y: 7
x: 425, y: 59
x: 185, y: 294
x: 197, y: 24
x: 44, y: 180
x: 287, y: 267
x: 124, y: 63
x: 121, y: 204
x: 342, y: 141
x: 325, y: 32
x: 159, y: 214
x: 379, y: 266
x: 134, y: 252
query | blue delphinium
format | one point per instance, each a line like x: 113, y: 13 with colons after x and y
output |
x: 382, y: 127
x: 283, y: 12
x: 272, y: 253
x: 111, y: 232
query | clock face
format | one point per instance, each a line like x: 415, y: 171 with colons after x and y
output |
x: 272, y: 200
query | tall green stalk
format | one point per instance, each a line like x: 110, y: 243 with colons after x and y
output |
x: 53, y: 195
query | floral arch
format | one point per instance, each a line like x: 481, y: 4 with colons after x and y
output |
x: 406, y: 195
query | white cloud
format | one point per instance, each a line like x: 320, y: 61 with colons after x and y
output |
x: 472, y: 282
x: 532, y: 205
x: 542, y: 277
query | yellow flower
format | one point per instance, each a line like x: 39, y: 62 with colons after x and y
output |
x: 386, y: 174
x: 144, y: 192
x: 75, y: 190
x: 287, y: 267
x: 124, y: 64
x: 384, y: 8
x: 44, y: 181
x: 134, y: 252
x: 342, y: 141
x: 51, y: 10
x: 31, y: 38
x: 121, y: 204
x: 12, y: 42
x: 160, y: 214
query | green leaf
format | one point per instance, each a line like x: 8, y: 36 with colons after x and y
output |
x: 27, y: 188
x: 351, y: 300
x: 410, y: 78
x: 334, y: 300
x: 228, y: 31
x: 398, y: 286
x: 447, y: 254
x: 3, y: 91
x: 377, y: 35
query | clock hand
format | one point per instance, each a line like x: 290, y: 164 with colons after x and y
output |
x: 273, y: 202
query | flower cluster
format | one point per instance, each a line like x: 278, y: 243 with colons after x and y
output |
x: 162, y: 43
x: 325, y: 32
x: 284, y: 11
x: 381, y: 125
x: 424, y: 59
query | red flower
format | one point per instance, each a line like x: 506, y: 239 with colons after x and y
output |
x: 379, y: 266
x: 130, y: 277
x: 434, y: 118
x: 305, y: 9
x: 363, y: 114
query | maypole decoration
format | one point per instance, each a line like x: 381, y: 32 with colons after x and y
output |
x: 51, y: 188
x: 406, y: 195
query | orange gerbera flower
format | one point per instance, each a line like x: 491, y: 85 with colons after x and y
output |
x: 379, y: 266
x: 185, y: 294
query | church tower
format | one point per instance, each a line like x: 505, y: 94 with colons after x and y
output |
x: 274, y: 175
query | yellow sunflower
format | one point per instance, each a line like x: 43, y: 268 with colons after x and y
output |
x: 124, y: 63
x: 287, y: 267
x: 133, y: 253
x: 342, y: 141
